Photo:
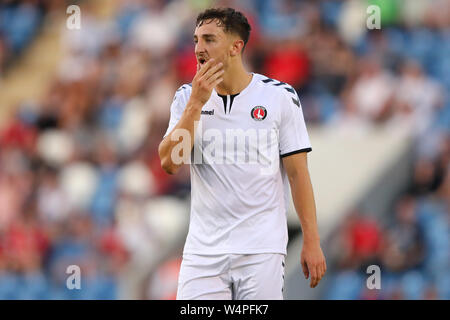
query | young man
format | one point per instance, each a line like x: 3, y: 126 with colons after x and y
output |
x: 237, y: 239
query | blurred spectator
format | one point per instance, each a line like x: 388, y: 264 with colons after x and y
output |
x: 403, y: 247
x: 332, y: 61
x: 288, y: 63
x: 360, y: 241
x: 417, y: 97
x: 370, y: 94
x: 163, y: 284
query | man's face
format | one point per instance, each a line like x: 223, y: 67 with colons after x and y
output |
x: 212, y: 42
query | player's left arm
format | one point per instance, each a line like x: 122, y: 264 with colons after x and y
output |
x: 312, y: 258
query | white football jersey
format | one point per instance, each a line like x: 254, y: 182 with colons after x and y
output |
x: 239, y: 188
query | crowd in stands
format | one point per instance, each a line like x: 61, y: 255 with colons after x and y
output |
x: 401, y: 80
x: 411, y: 246
x: 80, y: 172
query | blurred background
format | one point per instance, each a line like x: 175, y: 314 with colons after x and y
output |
x: 83, y: 111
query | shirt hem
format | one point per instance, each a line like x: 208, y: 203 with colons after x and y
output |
x: 234, y: 251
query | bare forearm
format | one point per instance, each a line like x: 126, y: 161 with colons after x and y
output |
x: 303, y: 196
x: 206, y: 78
x: 187, y: 124
x: 312, y: 258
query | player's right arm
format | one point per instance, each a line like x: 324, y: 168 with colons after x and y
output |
x: 206, y: 78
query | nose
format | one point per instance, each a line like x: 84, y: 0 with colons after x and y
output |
x: 199, y: 48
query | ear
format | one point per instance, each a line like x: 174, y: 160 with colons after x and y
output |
x: 236, y: 47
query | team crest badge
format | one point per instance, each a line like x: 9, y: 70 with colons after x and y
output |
x: 259, y: 113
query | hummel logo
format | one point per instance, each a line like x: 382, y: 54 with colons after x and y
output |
x: 210, y: 113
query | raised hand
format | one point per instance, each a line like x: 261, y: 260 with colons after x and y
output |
x: 207, y: 77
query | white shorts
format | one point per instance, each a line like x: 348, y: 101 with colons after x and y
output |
x: 231, y: 277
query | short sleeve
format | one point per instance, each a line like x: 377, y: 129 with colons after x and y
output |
x: 178, y: 105
x: 293, y: 133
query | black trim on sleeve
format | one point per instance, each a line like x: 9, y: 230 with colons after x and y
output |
x: 295, y: 152
x: 290, y: 90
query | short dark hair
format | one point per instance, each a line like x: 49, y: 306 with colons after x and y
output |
x: 230, y: 20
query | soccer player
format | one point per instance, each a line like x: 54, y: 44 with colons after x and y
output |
x: 237, y: 239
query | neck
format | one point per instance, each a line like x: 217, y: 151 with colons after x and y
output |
x: 235, y: 79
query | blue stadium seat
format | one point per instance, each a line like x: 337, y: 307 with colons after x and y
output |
x: 345, y: 285
x: 34, y: 286
x: 330, y: 11
x: 413, y: 285
x: 9, y: 283
x: 104, y: 199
